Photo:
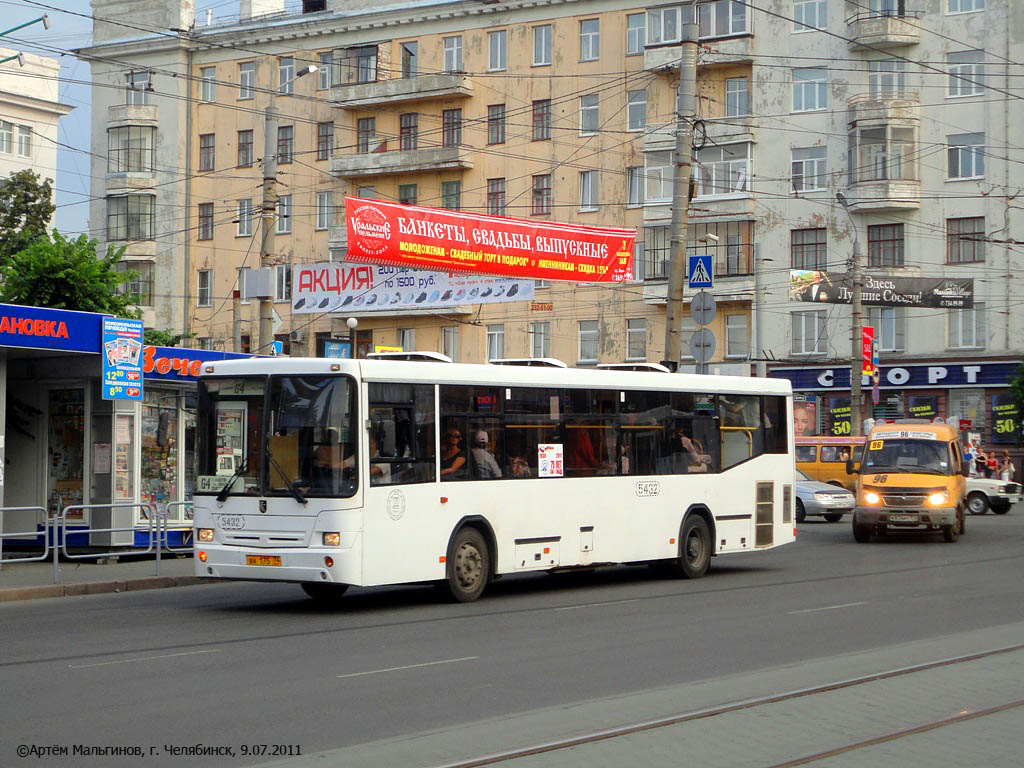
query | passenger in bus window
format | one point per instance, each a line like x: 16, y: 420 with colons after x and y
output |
x: 380, y: 472
x: 688, y: 453
x: 485, y: 467
x: 519, y: 467
x: 453, y: 458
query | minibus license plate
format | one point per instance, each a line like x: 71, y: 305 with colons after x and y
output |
x: 902, y: 518
x: 262, y: 559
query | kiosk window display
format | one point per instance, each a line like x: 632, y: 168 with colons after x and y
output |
x: 66, y: 450
x: 160, y: 450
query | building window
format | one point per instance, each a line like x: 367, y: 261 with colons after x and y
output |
x: 130, y: 217
x: 244, y: 218
x: 540, y: 339
x: 590, y: 40
x: 966, y: 73
x: 495, y: 341
x: 285, y: 143
x: 283, y: 282
x: 496, y: 124
x: 451, y: 195
x: 324, y: 209
x: 542, y: 45
x: 965, y: 156
x: 243, y: 284
x: 541, y: 195
x: 810, y: 172
x: 205, y: 231
x: 659, y: 172
x: 451, y: 127
x: 130, y: 149
x: 284, y: 214
x: 965, y: 240
x: 588, y: 191
x: 887, y: 78
x: 587, y: 341
x: 737, y: 97
x: 366, y: 193
x: 657, y: 246
x: 204, y: 342
x: 286, y: 75
x: 636, y: 339
x: 453, y: 54
x: 360, y: 63
x: 878, y: 154
x: 366, y: 129
x: 663, y: 25
x: 204, y: 288
x: 409, y: 130
x: 635, y: 27
x: 636, y: 110
x: 324, y: 70
x: 720, y: 18
x: 808, y: 248
x: 810, y: 89
x: 964, y: 6
x: 809, y: 15
x: 737, y: 343
x: 450, y: 342
x: 6, y: 137
x: 407, y: 194
x: 588, y: 114
x: 208, y: 84
x: 140, y: 285
x: 890, y: 327
x: 496, y: 197
x: 496, y: 47
x: 410, y: 58
x: 246, y: 79
x: 25, y: 140
x: 967, y: 328
x: 634, y: 187
x: 245, y: 152
x: 207, y: 147
x: 723, y: 170
x: 542, y: 119
x: 809, y: 333
x: 885, y: 245
x: 324, y: 140
x: 639, y: 265
x: 137, y: 86
x: 407, y: 339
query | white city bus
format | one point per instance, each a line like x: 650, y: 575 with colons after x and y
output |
x: 332, y: 473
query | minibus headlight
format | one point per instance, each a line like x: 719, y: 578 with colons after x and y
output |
x: 204, y: 535
x: 938, y: 498
x: 332, y: 539
x: 872, y: 498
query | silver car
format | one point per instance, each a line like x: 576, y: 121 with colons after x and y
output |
x: 814, y: 498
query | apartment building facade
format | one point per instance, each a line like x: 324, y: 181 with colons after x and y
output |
x: 565, y: 111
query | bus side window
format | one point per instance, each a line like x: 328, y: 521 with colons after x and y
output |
x: 402, y: 427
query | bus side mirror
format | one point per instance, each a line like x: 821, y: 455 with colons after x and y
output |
x: 849, y: 468
x: 965, y: 468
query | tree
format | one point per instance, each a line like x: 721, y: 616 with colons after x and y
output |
x: 26, y: 207
x: 67, y: 274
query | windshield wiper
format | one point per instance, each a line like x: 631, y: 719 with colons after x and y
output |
x: 295, y: 492
x: 227, y: 486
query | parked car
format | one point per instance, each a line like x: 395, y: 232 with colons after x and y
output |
x: 983, y: 492
x: 817, y: 498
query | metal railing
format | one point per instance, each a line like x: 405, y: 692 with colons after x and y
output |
x: 185, y: 528
x: 25, y: 534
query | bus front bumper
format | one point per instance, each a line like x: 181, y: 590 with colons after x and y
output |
x: 329, y: 566
x: 904, y: 517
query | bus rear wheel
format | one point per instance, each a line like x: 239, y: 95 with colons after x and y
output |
x: 695, y: 547
x: 468, y: 566
x: 323, y: 592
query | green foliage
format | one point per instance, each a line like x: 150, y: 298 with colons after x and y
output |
x: 67, y: 274
x: 1017, y: 390
x: 164, y: 338
x: 26, y: 206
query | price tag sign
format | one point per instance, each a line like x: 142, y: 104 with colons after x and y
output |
x: 122, y: 359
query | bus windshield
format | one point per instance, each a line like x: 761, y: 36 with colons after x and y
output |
x: 229, y: 434
x: 907, y: 455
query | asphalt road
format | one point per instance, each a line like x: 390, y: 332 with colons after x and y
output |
x: 247, y: 664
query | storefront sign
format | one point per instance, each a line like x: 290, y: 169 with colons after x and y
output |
x: 346, y: 287
x: 542, y: 306
x: 881, y: 291
x: 1005, y: 418
x: 122, y: 359
x: 839, y: 416
x: 867, y: 344
x: 429, y: 238
x: 924, y: 376
x: 337, y: 349
x: 923, y: 406
x: 52, y: 329
x: 176, y: 364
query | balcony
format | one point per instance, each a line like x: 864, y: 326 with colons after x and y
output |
x: 873, y: 30
x: 884, y: 136
x: 131, y: 114
x: 402, y: 90
x: 712, y: 52
x: 886, y: 106
x: 882, y: 195
x: 428, y: 160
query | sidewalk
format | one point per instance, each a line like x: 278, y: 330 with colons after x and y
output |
x: 32, y: 581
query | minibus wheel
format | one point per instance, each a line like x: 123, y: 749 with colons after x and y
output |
x: 801, y: 513
x: 468, y: 566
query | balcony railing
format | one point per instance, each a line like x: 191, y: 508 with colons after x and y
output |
x: 384, y: 163
x: 402, y: 90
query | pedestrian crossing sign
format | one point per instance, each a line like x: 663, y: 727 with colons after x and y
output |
x: 700, y: 274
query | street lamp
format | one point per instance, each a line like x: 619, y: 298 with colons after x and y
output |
x: 856, y: 327
x: 20, y: 56
x: 352, y: 323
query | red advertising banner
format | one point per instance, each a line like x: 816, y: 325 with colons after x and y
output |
x: 431, y: 238
x: 867, y: 341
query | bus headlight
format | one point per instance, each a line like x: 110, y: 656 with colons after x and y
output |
x: 332, y: 539
x: 939, y: 498
x: 872, y: 498
x: 204, y: 535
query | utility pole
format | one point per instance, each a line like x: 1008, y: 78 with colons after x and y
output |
x: 856, y: 329
x: 236, y: 320
x: 686, y: 111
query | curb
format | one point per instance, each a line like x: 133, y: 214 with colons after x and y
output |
x: 12, y: 594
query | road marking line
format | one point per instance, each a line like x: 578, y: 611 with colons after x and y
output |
x: 827, y: 608
x: 146, y: 658
x: 597, y: 605
x: 408, y: 666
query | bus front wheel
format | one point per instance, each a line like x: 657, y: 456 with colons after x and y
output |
x: 468, y: 566
x: 695, y: 547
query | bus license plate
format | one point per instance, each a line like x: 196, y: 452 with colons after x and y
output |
x: 262, y: 559
x: 902, y: 518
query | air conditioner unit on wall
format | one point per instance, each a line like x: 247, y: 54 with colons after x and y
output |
x: 297, y: 337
